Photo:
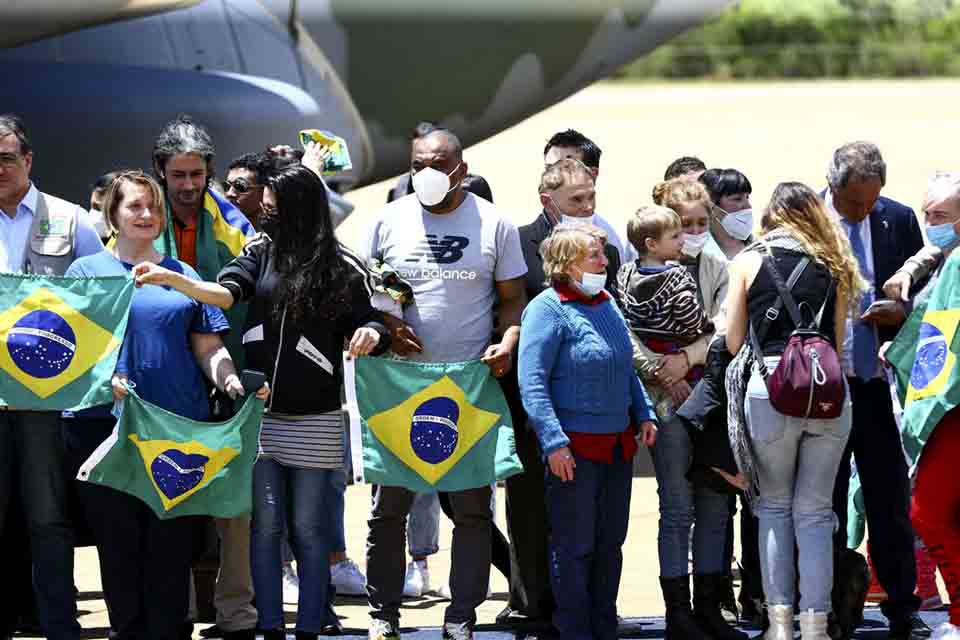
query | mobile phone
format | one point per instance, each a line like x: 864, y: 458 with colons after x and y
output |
x: 881, y: 305
x: 252, y: 380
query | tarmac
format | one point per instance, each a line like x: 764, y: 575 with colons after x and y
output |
x: 639, y: 603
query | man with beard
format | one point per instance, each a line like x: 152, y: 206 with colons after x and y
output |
x: 206, y: 231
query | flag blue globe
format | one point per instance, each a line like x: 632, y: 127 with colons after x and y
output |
x: 42, y: 344
x: 931, y: 356
x: 433, y: 433
x: 176, y: 472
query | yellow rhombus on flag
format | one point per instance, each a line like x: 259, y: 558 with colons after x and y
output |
x: 933, y: 362
x: 442, y: 403
x: 47, y: 344
x: 180, y: 469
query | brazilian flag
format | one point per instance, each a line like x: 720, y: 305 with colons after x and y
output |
x: 924, y: 358
x: 428, y: 427
x: 59, y: 339
x: 178, y: 466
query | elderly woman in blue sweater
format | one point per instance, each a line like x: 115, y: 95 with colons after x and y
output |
x: 588, y: 408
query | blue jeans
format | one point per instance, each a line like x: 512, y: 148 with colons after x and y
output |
x: 32, y: 463
x: 587, y: 519
x: 682, y: 504
x: 338, y: 484
x: 796, y: 462
x: 423, y: 525
x: 301, y: 499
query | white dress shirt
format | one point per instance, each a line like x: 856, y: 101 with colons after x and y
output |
x: 14, y: 233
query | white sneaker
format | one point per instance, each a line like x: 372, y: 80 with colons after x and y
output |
x: 382, y: 630
x: 291, y: 585
x: 444, y: 591
x: 348, y: 579
x: 417, y: 581
x: 457, y: 631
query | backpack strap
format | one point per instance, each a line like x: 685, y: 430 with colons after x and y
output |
x: 784, y: 288
x: 774, y: 311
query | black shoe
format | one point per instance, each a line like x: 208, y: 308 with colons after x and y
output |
x: 708, y: 591
x: 271, y: 634
x: 726, y: 598
x: 243, y: 634
x: 504, y: 617
x: 681, y: 623
x: 332, y: 629
x: 305, y: 635
x: 752, y: 611
x: 911, y: 628
x: 213, y: 631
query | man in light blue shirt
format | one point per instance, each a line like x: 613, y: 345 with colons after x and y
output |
x: 31, y: 442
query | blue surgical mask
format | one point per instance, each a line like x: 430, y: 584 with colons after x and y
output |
x: 942, y: 235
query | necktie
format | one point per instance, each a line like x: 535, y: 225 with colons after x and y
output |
x: 864, y: 333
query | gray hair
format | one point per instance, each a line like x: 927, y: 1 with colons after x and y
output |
x: 180, y: 136
x: 943, y: 186
x: 860, y: 160
x: 11, y: 124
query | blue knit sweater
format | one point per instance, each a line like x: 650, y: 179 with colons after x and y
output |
x: 576, y: 370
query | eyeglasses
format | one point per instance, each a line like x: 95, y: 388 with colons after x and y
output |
x: 240, y: 185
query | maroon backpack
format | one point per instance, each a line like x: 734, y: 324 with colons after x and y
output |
x: 808, y: 381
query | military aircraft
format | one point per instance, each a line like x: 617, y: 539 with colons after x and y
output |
x: 95, y: 80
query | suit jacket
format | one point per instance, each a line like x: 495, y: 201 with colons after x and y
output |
x: 895, y: 235
x: 533, y: 234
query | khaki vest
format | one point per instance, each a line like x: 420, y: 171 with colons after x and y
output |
x: 51, y: 244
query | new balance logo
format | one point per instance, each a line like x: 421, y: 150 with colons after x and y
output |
x: 445, y: 250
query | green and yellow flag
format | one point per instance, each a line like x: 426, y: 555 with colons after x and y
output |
x: 924, y: 357
x: 59, y: 339
x: 178, y: 466
x: 428, y: 427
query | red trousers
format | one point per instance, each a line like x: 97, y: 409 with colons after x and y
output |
x: 936, y: 504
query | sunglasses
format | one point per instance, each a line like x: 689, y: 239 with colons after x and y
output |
x: 239, y: 185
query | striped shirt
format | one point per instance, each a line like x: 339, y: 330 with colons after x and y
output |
x: 313, y: 441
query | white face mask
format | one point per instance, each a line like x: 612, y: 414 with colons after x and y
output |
x: 693, y: 243
x: 565, y: 219
x: 591, y: 283
x: 432, y: 186
x: 738, y: 224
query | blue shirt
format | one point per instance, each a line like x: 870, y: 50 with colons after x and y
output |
x: 15, y: 231
x: 156, y: 354
x: 576, y: 370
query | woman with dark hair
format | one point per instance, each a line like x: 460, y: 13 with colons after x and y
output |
x: 731, y: 224
x: 307, y: 294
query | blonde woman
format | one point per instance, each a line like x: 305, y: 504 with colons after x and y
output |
x: 683, y: 504
x: 587, y: 407
x: 796, y: 459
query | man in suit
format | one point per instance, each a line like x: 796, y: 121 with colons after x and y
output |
x: 566, y: 189
x: 883, y: 235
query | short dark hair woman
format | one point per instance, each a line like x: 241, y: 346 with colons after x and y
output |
x: 731, y: 222
x: 307, y: 294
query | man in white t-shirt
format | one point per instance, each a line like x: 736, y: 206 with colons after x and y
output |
x: 573, y: 144
x: 460, y: 256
